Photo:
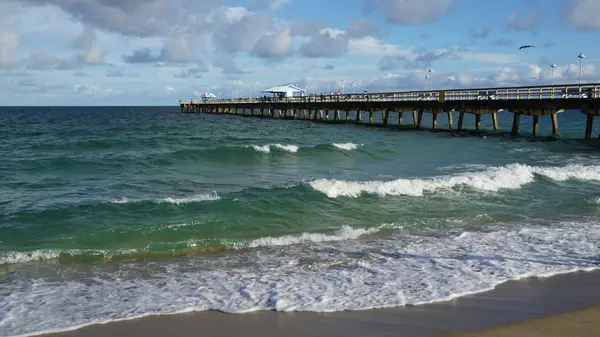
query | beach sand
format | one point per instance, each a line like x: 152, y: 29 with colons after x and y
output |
x: 549, y: 307
x: 582, y: 323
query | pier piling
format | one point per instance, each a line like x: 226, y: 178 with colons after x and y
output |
x: 515, y: 126
x: 495, y: 121
x: 589, y: 125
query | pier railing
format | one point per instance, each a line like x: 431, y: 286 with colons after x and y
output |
x: 572, y: 91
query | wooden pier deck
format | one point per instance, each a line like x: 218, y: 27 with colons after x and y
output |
x: 534, y: 101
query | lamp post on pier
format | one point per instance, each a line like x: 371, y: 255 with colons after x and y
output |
x: 430, y: 78
x: 581, y: 57
x: 552, y: 66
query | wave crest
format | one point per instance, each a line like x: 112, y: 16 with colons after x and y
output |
x: 171, y: 200
x: 346, y: 146
x: 189, y: 247
x: 493, y: 179
x: 344, y: 233
x: 267, y: 148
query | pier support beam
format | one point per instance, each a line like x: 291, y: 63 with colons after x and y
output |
x: 385, y: 114
x: 400, y: 122
x: 554, y: 124
x: 461, y: 119
x: 358, y: 116
x: 477, y: 122
x: 370, y: 116
x: 420, y: 118
x: 450, y: 121
x: 515, y: 126
x: 414, y: 115
x: 495, y: 121
x: 347, y: 115
x: 536, y: 125
x: 589, y: 125
x: 434, y: 120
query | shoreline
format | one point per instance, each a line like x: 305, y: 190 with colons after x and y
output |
x: 510, y: 304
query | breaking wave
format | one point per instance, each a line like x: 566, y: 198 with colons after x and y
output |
x: 493, y: 179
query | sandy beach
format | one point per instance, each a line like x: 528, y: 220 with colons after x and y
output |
x: 563, y: 305
x: 582, y: 323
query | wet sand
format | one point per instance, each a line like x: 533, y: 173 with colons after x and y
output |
x: 583, y: 323
x: 512, y: 309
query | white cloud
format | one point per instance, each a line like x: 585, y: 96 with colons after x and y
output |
x: 411, y: 11
x: 93, y: 90
x: 235, y: 14
x: 94, y: 55
x: 9, y: 42
x: 529, y: 22
x: 274, y: 45
x: 583, y: 14
x: 369, y: 45
x: 328, y: 43
x: 497, y: 58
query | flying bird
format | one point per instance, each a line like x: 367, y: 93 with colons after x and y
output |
x: 526, y: 46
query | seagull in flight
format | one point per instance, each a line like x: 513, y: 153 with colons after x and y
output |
x: 526, y: 46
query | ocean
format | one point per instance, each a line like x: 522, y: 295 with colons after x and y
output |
x: 112, y: 213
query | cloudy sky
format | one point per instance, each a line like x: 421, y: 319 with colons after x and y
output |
x: 153, y: 52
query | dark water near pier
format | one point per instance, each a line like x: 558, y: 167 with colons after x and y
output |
x: 112, y: 213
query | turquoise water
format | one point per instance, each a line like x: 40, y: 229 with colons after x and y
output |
x: 113, y: 213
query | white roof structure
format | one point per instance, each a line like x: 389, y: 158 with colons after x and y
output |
x: 208, y: 95
x: 286, y: 90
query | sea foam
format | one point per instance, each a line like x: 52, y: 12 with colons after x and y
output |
x: 267, y: 148
x: 192, y: 199
x: 170, y: 200
x: 346, y: 146
x: 344, y: 233
x: 305, y: 276
x: 492, y: 179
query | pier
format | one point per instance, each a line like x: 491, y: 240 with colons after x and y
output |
x: 533, y: 101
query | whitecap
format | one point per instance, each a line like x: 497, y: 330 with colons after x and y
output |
x: 493, y: 179
x: 346, y: 146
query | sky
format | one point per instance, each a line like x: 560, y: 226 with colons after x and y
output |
x: 155, y: 52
